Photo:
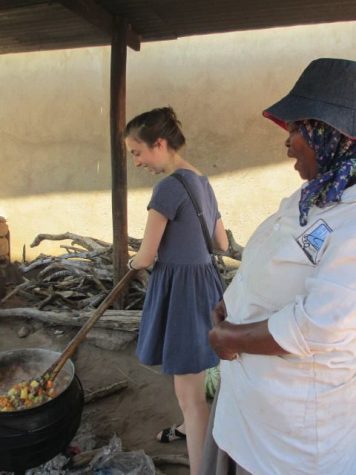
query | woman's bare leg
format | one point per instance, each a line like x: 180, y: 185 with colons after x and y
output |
x: 190, y: 392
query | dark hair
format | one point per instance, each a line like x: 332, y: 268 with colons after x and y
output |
x: 157, y: 123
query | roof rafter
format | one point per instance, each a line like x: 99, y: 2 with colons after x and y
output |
x: 97, y: 16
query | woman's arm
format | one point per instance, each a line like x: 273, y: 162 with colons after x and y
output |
x: 155, y: 226
x: 229, y: 340
x: 220, y: 240
x: 323, y: 319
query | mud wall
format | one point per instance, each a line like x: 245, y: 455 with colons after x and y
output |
x: 54, y: 126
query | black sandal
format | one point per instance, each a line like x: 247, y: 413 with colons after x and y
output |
x: 171, y: 434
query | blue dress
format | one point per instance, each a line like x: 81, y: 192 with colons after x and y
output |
x: 184, y: 286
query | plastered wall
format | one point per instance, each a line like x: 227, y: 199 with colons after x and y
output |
x: 54, y: 127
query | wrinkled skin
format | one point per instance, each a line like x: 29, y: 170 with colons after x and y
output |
x: 228, y: 340
x: 219, y: 335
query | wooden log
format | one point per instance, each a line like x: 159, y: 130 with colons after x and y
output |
x: 134, y: 243
x: 45, y: 301
x: 170, y: 460
x: 85, y: 458
x: 56, y: 275
x: 123, y: 320
x: 84, y: 241
x: 235, y: 250
x: 91, y: 396
x: 15, y: 290
x: 38, y: 262
x: 92, y: 301
x: 85, y: 255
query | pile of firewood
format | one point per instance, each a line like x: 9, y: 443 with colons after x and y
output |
x: 78, y: 279
x: 81, y: 277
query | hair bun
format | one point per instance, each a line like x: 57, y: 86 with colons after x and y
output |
x: 158, y: 123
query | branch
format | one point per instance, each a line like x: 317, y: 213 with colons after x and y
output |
x: 170, y: 459
x: 91, y: 396
x: 86, y: 242
x: 124, y: 320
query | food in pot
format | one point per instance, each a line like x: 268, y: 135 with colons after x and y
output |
x: 27, y: 394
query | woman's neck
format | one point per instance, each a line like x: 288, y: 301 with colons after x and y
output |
x: 179, y: 162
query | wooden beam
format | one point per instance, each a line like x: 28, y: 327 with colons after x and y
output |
x: 93, y: 13
x: 133, y: 39
x: 118, y: 150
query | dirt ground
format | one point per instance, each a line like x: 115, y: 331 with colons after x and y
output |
x: 135, y: 414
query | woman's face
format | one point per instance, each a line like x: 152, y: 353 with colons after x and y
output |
x: 298, y: 148
x: 149, y: 158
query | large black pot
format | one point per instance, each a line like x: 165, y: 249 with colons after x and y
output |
x: 33, y: 436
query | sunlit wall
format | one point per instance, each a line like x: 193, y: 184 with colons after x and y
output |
x: 54, y: 127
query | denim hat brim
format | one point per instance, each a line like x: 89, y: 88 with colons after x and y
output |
x: 325, y: 91
x: 292, y: 108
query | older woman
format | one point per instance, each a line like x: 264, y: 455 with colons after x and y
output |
x: 287, y: 323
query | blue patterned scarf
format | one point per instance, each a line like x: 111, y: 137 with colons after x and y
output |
x: 336, y: 159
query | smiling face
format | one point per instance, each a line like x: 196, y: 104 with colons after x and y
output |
x: 150, y: 159
x: 298, y: 148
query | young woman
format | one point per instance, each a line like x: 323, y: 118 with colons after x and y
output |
x: 184, y: 285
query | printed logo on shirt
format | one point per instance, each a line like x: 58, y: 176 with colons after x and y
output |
x: 313, y: 239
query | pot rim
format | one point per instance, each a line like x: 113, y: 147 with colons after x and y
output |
x: 53, y: 355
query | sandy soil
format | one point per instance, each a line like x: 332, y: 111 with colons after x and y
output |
x: 135, y: 414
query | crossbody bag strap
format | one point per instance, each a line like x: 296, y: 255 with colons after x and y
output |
x: 198, y: 210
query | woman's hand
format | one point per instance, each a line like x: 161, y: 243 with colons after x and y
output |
x: 229, y: 339
x: 219, y: 313
x: 219, y: 334
x: 222, y: 340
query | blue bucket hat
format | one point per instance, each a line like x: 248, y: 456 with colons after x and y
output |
x: 325, y: 91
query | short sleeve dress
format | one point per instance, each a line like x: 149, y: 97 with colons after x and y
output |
x: 184, y: 286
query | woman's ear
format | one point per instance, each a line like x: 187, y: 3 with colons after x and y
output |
x: 161, y: 143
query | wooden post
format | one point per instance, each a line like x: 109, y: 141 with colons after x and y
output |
x: 118, y: 151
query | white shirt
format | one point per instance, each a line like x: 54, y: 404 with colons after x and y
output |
x: 295, y: 414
